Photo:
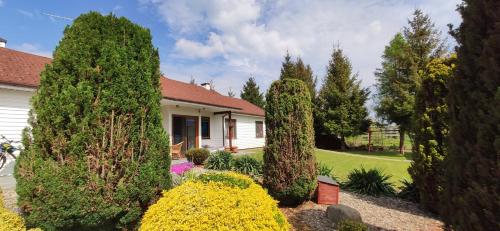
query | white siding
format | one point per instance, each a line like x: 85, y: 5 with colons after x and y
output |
x: 246, y: 133
x: 15, y: 105
x: 14, y: 109
x: 215, y: 140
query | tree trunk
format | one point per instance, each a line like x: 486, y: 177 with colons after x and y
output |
x: 401, y: 141
x: 342, y: 143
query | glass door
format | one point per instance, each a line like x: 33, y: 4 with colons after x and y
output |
x: 185, y: 129
x: 190, y: 133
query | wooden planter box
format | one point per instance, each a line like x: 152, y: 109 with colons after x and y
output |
x: 328, y: 191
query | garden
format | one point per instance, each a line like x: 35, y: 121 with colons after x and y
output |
x: 103, y: 161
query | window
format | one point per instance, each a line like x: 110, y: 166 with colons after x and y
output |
x: 259, y: 129
x: 205, y: 127
x: 231, y: 127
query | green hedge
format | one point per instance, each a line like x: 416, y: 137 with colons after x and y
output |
x: 289, y: 164
x: 99, y: 155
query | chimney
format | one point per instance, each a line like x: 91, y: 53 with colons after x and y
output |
x: 206, y: 86
x: 3, y: 42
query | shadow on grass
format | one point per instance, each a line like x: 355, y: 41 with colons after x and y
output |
x: 390, y: 154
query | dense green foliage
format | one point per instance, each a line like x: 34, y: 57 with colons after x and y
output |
x: 289, y: 165
x: 350, y: 225
x: 472, y: 174
x: 431, y: 131
x: 301, y: 71
x: 219, y: 160
x: 248, y: 166
x: 197, y: 155
x: 398, y: 79
x: 340, y: 108
x: 252, y: 94
x: 372, y: 182
x: 409, y: 191
x: 99, y: 154
x: 396, y: 85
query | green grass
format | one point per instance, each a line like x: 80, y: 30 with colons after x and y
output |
x: 343, y: 162
x: 379, y: 140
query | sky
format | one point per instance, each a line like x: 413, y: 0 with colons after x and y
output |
x: 227, y: 41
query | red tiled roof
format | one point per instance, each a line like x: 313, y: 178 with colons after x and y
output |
x: 23, y: 69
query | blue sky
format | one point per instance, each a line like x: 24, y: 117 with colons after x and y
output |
x: 227, y: 41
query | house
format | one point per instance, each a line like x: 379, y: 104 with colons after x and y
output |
x: 192, y: 114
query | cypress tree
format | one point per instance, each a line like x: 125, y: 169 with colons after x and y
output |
x: 251, y: 93
x: 289, y: 163
x: 99, y: 155
x: 472, y: 177
x: 431, y: 132
x: 341, y: 101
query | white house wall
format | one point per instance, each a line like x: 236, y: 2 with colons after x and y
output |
x: 14, y: 109
x: 215, y: 140
x: 15, y: 105
x: 246, y: 133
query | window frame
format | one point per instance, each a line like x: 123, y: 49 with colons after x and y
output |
x: 257, y: 123
x: 202, y: 120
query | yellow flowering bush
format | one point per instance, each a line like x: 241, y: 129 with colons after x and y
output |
x: 215, y: 201
x: 11, y: 221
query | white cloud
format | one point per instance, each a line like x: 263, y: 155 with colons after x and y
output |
x: 33, y: 49
x: 230, y: 40
x: 193, y: 49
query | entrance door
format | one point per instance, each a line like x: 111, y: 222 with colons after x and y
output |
x: 185, y: 129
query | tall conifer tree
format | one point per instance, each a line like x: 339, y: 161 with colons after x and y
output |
x: 251, y: 93
x: 472, y: 183
x: 341, y: 101
x: 398, y: 79
x: 289, y: 163
x: 99, y: 155
x: 301, y: 71
x: 396, y: 86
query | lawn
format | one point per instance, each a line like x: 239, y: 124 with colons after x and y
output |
x: 344, y: 162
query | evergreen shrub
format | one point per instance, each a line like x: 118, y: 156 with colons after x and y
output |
x: 99, y: 155
x: 197, y: 155
x: 215, y: 205
x: 289, y: 163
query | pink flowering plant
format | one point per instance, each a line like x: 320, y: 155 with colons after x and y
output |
x: 179, y: 169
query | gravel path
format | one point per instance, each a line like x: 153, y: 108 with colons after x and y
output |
x: 381, y: 213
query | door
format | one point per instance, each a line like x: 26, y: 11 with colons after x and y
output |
x: 185, y: 129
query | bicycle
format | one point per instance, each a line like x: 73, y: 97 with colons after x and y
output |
x: 6, y: 149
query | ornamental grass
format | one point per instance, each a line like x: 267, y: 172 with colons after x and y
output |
x: 219, y: 204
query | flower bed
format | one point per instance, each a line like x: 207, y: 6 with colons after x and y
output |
x: 216, y: 201
x: 179, y: 169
